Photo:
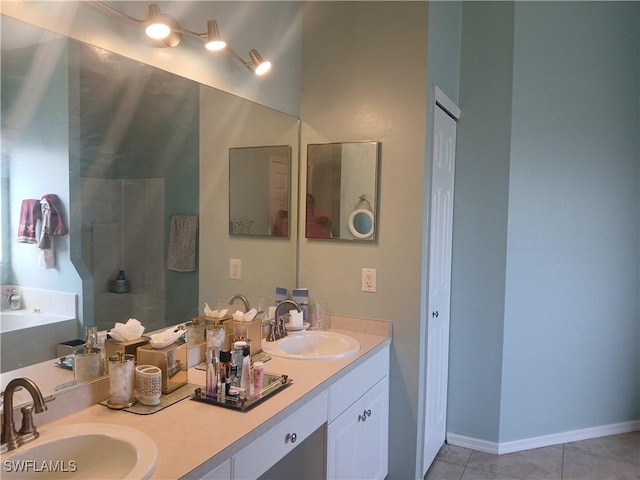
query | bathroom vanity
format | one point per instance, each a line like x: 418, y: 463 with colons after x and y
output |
x: 336, y: 411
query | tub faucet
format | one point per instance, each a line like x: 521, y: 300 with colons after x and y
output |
x: 10, y: 438
x: 278, y: 329
x: 243, y: 299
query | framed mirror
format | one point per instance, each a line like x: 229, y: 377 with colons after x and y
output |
x: 259, y: 190
x: 342, y: 190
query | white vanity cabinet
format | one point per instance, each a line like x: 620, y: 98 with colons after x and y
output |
x: 357, y: 434
x: 268, y: 449
x: 355, y: 413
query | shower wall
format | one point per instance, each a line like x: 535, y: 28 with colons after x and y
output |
x: 123, y: 222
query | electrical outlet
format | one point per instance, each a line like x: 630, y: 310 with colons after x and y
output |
x: 369, y: 280
x: 235, y: 269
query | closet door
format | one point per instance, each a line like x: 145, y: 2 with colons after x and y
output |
x: 440, y: 240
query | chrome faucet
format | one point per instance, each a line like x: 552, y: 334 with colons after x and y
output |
x: 10, y: 438
x: 278, y: 329
x: 243, y: 299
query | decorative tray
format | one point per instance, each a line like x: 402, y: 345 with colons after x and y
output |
x: 272, y: 383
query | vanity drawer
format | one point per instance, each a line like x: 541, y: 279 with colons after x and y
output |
x: 267, y: 450
x: 352, y: 386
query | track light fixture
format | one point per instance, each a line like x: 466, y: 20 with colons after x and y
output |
x: 214, y: 41
x: 156, y: 27
x: 165, y: 31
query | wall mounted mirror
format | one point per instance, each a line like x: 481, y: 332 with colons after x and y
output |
x: 342, y: 190
x: 100, y: 129
x: 259, y: 190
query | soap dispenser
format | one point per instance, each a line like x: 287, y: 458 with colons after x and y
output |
x: 121, y: 282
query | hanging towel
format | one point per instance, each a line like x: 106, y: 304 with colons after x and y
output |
x: 181, y: 254
x: 29, y: 216
x: 47, y: 253
x: 56, y: 219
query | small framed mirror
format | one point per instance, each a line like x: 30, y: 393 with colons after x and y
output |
x: 259, y: 190
x: 342, y: 190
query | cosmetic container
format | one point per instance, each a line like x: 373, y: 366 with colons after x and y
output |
x: 212, y: 371
x: 258, y: 378
x: 245, y: 378
x: 225, y: 373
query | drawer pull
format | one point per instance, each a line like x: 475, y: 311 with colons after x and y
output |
x: 291, y: 437
x: 365, y: 414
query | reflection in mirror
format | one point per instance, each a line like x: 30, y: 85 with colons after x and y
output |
x: 259, y: 190
x: 119, y: 143
x: 342, y: 181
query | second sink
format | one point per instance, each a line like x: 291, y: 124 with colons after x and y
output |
x: 83, y: 451
x: 315, y: 345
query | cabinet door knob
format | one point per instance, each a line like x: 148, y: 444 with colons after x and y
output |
x: 365, y: 414
x: 435, y: 314
x: 291, y: 437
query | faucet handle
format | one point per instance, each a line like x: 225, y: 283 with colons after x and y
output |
x: 271, y: 337
x: 27, y: 421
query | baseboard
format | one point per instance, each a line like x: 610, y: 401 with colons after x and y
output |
x: 543, y: 441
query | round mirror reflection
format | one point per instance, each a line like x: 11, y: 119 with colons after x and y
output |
x: 361, y: 223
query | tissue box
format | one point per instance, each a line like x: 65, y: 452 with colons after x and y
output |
x: 112, y: 346
x: 172, y: 360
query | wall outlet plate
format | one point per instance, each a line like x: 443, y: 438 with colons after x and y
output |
x: 369, y: 280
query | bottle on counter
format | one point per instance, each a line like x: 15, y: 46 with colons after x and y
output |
x: 225, y: 374
x: 15, y: 300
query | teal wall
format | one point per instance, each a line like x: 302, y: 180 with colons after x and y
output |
x: 480, y: 220
x: 35, y: 150
x: 545, y: 328
x: 571, y: 310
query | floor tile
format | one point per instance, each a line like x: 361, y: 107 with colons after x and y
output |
x: 624, y: 447
x: 473, y: 474
x: 444, y: 471
x: 586, y: 466
x: 454, y: 454
x: 538, y: 464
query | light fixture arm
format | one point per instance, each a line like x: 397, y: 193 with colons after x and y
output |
x: 256, y: 64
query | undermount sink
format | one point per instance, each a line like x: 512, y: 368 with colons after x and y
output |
x: 84, y: 451
x: 315, y: 345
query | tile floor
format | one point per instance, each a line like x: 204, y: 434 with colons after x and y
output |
x: 605, y: 458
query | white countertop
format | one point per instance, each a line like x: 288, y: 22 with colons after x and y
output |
x: 190, y: 433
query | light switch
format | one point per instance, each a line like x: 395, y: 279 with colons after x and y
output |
x: 235, y: 269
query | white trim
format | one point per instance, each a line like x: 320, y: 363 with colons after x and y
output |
x: 445, y: 102
x: 543, y: 441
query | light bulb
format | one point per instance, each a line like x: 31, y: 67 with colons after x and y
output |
x: 263, y: 68
x: 158, y: 31
x: 215, y: 45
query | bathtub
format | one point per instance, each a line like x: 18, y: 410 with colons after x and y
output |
x: 27, y: 337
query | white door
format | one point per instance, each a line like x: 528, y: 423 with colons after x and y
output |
x: 440, y: 237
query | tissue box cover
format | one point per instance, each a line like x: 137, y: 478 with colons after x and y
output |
x: 250, y: 331
x: 113, y: 346
x: 172, y: 360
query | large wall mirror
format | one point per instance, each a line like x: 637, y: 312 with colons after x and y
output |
x: 126, y: 147
x: 259, y: 182
x: 342, y: 190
